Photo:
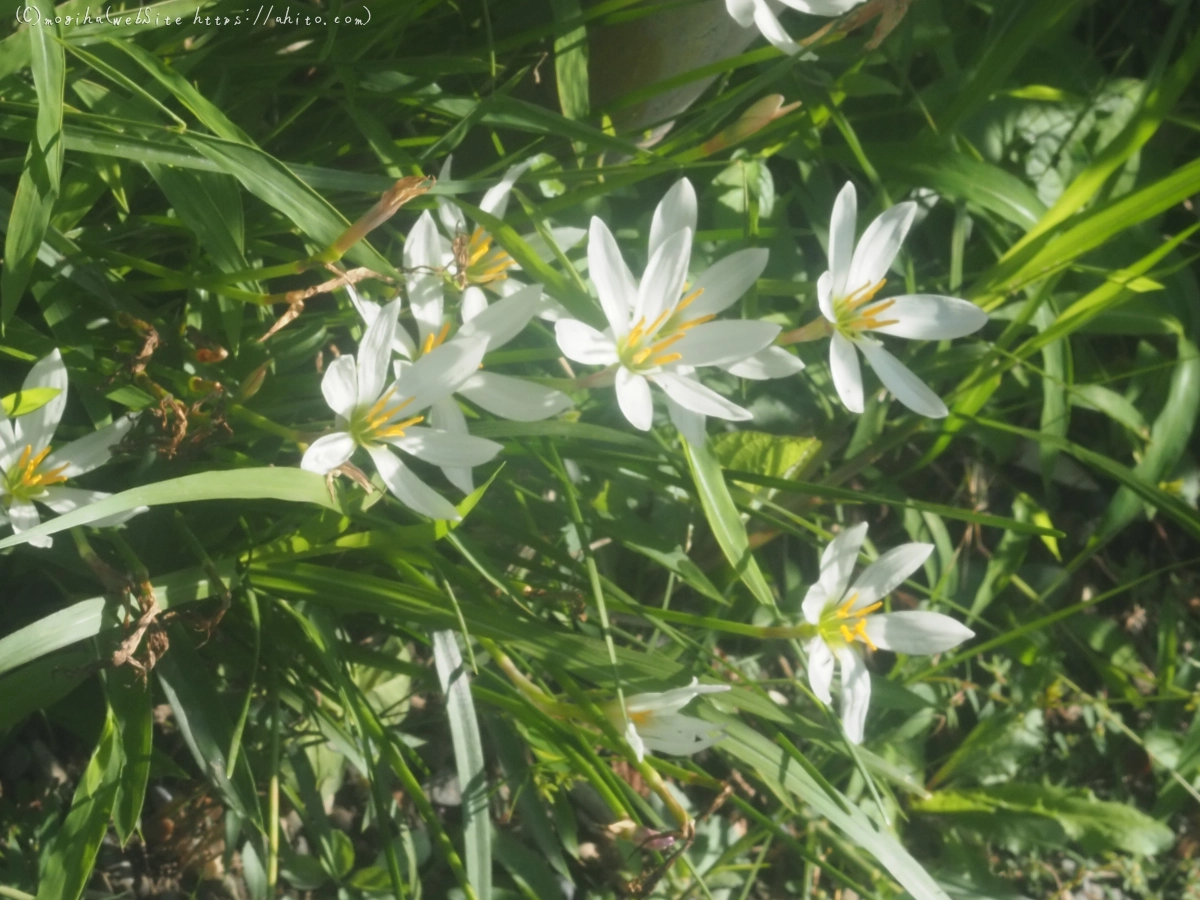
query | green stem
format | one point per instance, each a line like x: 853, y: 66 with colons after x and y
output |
x: 273, y: 784
x: 262, y: 423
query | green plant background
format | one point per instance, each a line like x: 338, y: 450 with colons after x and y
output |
x: 173, y: 180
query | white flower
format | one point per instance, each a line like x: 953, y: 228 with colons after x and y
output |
x: 655, y: 723
x: 32, y: 472
x: 495, y: 325
x: 762, y: 14
x: 487, y: 265
x: 844, y: 618
x: 660, y: 332
x: 846, y: 293
x: 380, y: 420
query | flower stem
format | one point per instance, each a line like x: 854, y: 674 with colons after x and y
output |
x: 535, y: 694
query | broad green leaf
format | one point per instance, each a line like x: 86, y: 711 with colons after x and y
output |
x: 468, y: 760
x: 89, y: 618
x: 291, y: 485
x: 771, y: 455
x: 38, y: 187
x: 131, y: 703
x: 571, y: 62
x: 203, y: 719
x: 67, y: 861
x: 1021, y: 815
x: 725, y: 521
x: 24, y: 402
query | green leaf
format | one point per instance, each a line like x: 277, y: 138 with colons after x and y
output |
x: 24, y: 402
x: 131, y: 703
x: 38, y: 188
x: 765, y: 454
x: 725, y: 521
x: 468, y: 760
x: 1024, y: 814
x: 203, y: 720
x: 290, y: 485
x: 571, y: 61
x: 1101, y: 399
x: 88, y: 618
x: 66, y: 864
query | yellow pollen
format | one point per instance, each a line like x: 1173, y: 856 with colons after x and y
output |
x: 843, y: 611
x: 480, y: 243
x: 26, y: 471
x: 869, y: 318
x: 859, y: 632
x: 25, y: 454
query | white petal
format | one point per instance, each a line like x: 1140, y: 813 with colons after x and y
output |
x: 856, y: 693
x: 328, y: 452
x: 820, y: 668
x: 368, y: 310
x: 828, y: 8
x: 899, y: 379
x: 719, y: 343
x: 445, y: 448
x: 514, y: 398
x: 439, y: 373
x: 36, y: 429
x: 66, y: 499
x: 879, y: 245
x: 691, y: 394
x: 841, y: 238
x: 931, y: 317
x: 662, y: 283
x: 691, y: 425
x: 446, y: 415
x: 584, y: 344
x: 825, y: 296
x: 451, y: 216
x: 615, y: 285
x: 837, y: 564
x: 91, y: 451
x: 474, y: 301
x: 888, y: 572
x: 633, y: 396
x: 422, y: 263
x: 635, y: 741
x: 375, y: 353
x: 504, y: 319
x: 918, y: 631
x: 772, y: 362
x: 847, y: 376
x: 675, y: 212
x: 495, y: 201
x: 408, y: 488
x: 9, y: 451
x: 725, y: 281
x: 769, y: 25
x: 24, y: 515
x: 340, y: 386
x: 742, y: 11
x: 678, y: 735
x: 672, y: 700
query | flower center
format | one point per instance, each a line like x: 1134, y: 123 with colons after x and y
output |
x: 853, y: 315
x: 645, y: 347
x: 372, y: 424
x: 27, y: 479
x: 485, y: 263
x: 845, y: 625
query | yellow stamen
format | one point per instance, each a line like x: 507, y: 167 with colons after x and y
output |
x: 427, y: 344
x: 666, y: 360
x: 635, y: 333
x: 864, y: 295
x: 376, y: 415
x: 641, y: 356
x: 847, y: 634
x: 662, y: 345
x: 843, y: 611
x: 689, y: 300
x: 481, y: 242
x: 860, y: 631
x: 398, y: 429
x: 25, y: 454
x: 869, y: 318
x: 653, y: 326
x: 699, y: 320
x: 867, y: 610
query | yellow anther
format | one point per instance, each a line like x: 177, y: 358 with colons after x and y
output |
x: 653, y: 326
x: 867, y: 610
x: 398, y: 429
x: 860, y: 631
x: 662, y: 345
x: 847, y: 634
x: 25, y: 454
x: 689, y: 300
x: 699, y: 320
x: 427, y: 344
x: 865, y: 295
x: 481, y: 242
x: 844, y: 611
x: 377, y: 415
x: 642, y: 355
x: 666, y: 360
x: 635, y: 333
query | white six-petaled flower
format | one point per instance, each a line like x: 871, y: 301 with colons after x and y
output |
x: 845, y: 619
x: 762, y: 13
x: 493, y: 324
x: 34, y: 473
x: 659, y: 331
x: 655, y: 723
x: 846, y: 293
x: 380, y: 420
